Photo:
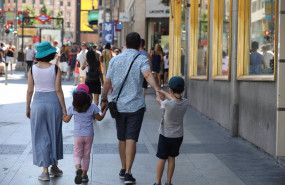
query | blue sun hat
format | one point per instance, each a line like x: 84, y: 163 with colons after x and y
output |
x: 44, y: 49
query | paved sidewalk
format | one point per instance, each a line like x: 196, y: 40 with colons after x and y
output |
x: 209, y: 156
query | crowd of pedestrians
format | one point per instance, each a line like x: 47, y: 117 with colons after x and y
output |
x: 125, y: 74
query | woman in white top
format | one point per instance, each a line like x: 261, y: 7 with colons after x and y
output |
x: 166, y: 66
x: 46, y: 111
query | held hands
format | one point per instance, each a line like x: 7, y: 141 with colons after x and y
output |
x: 104, y: 105
x: 28, y: 113
x: 160, y: 95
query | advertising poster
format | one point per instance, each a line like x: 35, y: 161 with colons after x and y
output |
x: 50, y: 35
x: 84, y: 25
x: 87, y: 4
x: 108, y: 32
x: 9, y: 17
x: 28, y: 31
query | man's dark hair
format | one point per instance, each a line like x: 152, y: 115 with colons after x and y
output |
x: 47, y: 58
x: 254, y: 45
x: 94, y: 47
x: 2, y: 44
x: 133, y: 40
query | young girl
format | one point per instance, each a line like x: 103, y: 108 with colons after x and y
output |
x: 84, y: 112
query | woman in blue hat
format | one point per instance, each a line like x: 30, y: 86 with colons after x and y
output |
x: 46, y: 111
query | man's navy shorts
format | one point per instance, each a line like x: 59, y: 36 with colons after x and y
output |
x: 168, y: 147
x: 129, y: 125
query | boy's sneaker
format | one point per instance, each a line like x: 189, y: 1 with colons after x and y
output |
x: 85, y: 178
x: 129, y: 179
x: 156, y: 184
x: 44, y: 177
x: 55, y: 172
x: 78, y: 177
x: 168, y: 184
x: 122, y: 173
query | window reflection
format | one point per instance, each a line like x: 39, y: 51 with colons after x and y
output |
x: 262, y: 38
x: 225, y: 36
x: 183, y: 37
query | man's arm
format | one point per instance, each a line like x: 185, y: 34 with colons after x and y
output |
x: 150, y: 79
x: 106, y: 87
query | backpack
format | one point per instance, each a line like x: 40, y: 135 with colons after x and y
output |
x: 93, y: 74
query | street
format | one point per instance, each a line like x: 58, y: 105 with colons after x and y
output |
x: 208, y: 156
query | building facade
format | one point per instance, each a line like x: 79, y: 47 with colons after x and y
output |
x: 66, y: 8
x: 233, y: 65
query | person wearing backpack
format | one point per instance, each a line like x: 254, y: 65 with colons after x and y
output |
x: 94, y: 75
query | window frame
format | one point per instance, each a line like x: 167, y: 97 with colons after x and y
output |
x: 218, y: 38
x: 244, y: 13
x: 194, y: 23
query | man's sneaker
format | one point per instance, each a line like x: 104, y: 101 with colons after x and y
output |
x: 122, y: 173
x: 78, y: 178
x: 156, y: 184
x: 85, y: 178
x: 44, y: 177
x: 168, y: 184
x: 129, y: 179
x: 55, y: 171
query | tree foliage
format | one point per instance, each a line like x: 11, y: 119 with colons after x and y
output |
x: 31, y: 14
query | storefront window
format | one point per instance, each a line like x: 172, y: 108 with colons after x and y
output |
x: 257, y: 39
x: 221, y: 39
x: 183, y: 37
x: 199, y: 39
x: 262, y: 31
x: 202, y: 38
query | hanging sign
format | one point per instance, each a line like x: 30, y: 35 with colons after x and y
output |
x: 43, y: 18
x: 108, y: 32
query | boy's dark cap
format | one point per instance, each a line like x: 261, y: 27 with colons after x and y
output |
x: 176, y: 82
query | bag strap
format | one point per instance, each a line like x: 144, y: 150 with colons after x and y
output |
x: 126, y: 77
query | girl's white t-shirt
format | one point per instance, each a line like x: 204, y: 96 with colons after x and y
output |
x: 166, y: 62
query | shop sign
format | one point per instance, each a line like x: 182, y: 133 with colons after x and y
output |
x: 108, y: 32
x: 154, y: 8
x: 28, y: 31
x: 119, y: 26
x: 43, y: 18
x: 124, y: 17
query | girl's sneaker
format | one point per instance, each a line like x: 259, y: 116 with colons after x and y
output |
x: 85, y: 178
x: 122, y: 173
x: 56, y: 172
x: 129, y: 179
x: 44, y: 177
x: 78, y: 177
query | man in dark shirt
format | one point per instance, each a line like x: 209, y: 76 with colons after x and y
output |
x: 73, y: 54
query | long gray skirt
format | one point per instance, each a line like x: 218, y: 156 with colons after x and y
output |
x: 46, y: 129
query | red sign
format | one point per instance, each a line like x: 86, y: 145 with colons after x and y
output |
x: 43, y: 18
x: 36, y: 39
x: 22, y: 14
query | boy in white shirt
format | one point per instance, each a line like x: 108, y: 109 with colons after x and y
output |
x: 171, y: 127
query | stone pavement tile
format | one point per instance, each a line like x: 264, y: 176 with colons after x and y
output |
x: 214, y: 171
x: 6, y: 161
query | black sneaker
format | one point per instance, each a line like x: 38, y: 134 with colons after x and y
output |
x: 85, y: 178
x: 122, y: 173
x: 78, y: 178
x: 129, y: 179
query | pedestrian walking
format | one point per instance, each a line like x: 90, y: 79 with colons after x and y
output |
x: 156, y: 60
x: 29, y: 56
x: 10, y: 51
x: 76, y: 73
x: 125, y: 73
x: 57, y: 56
x: 171, y: 128
x: 46, y: 111
x: 84, y: 113
x: 106, y: 56
x: 143, y: 51
x: 2, y: 59
x: 63, y: 61
x: 73, y: 54
x: 94, y: 75
x: 82, y: 59
x: 166, y: 68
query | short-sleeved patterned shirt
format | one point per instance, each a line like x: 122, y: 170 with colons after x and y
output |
x: 131, y: 98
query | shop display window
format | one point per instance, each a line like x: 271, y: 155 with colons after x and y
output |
x: 257, y: 40
x: 222, y: 39
x: 199, y: 39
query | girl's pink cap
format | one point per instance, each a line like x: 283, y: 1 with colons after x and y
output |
x: 84, y: 87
